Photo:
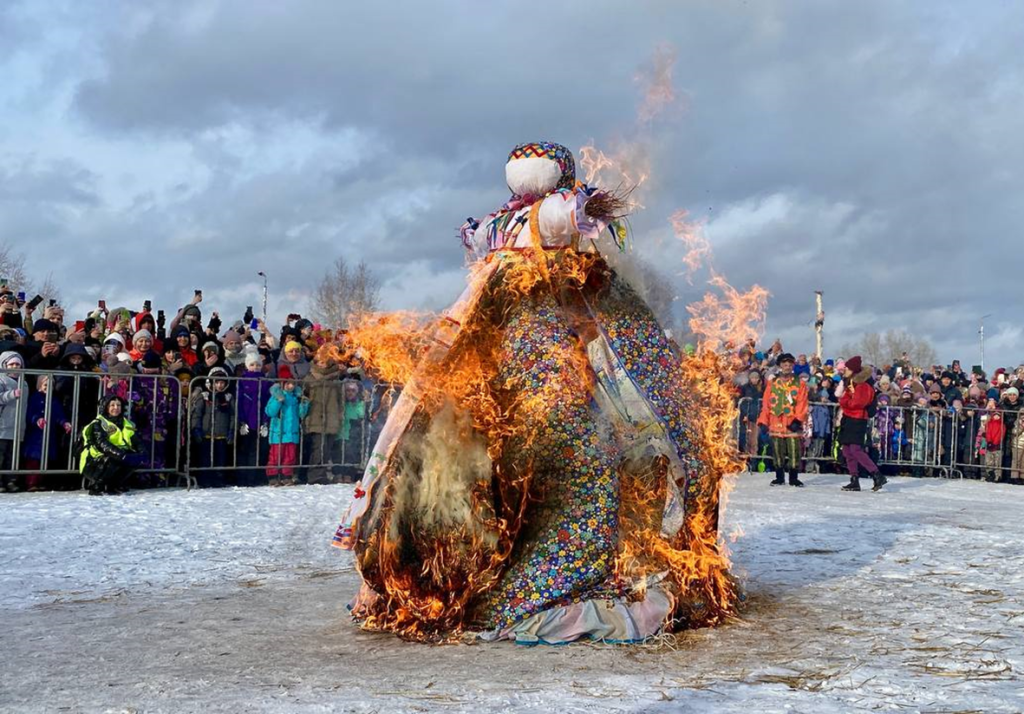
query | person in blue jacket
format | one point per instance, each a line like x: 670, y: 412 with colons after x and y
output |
x: 287, y: 408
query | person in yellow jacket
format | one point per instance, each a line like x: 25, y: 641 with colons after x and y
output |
x: 110, y: 450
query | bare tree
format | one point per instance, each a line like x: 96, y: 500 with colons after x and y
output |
x: 345, y: 292
x: 48, y: 289
x: 882, y: 349
x: 12, y: 267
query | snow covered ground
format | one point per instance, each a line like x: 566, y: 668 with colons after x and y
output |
x: 226, y: 601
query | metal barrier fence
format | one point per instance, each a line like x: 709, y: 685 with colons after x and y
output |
x: 260, y: 428
x: 918, y: 440
x: 53, y: 407
x: 182, y: 441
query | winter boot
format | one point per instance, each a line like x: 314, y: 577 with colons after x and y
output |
x: 854, y: 484
x: 880, y: 481
x: 794, y: 479
x: 780, y: 478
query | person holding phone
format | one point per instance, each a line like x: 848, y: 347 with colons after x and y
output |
x: 43, y: 349
x: 189, y: 316
x: 9, y: 313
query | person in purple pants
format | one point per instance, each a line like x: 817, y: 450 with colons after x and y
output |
x: 855, y: 404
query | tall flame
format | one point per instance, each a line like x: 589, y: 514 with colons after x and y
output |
x: 728, y: 318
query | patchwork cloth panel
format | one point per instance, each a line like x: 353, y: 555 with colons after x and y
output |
x: 642, y: 347
x: 571, y: 532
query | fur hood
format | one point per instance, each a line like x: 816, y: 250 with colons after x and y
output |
x: 862, y: 376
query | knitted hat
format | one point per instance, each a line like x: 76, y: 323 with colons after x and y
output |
x: 7, y: 357
x: 854, y: 364
x: 1013, y: 391
x: 115, y: 337
x: 253, y: 359
x: 284, y: 372
x: 44, y: 325
x: 211, y: 346
x: 292, y: 345
x: 217, y: 372
x: 142, y: 333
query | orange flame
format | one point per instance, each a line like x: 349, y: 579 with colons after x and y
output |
x: 624, y: 170
x: 730, y: 318
x: 691, y: 233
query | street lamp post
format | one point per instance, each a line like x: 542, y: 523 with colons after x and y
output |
x: 981, y: 333
x: 264, y: 276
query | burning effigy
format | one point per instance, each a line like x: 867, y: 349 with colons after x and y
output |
x: 552, y: 467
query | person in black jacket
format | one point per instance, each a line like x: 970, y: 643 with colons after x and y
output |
x: 750, y: 408
x: 43, y: 349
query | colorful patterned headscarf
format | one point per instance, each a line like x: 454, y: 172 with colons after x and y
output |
x: 549, y: 150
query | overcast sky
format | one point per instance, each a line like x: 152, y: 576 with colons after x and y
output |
x: 870, y: 149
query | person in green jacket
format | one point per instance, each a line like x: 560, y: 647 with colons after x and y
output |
x: 110, y: 450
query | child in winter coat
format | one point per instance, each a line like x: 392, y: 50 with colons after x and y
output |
x: 253, y: 397
x: 12, y: 424
x: 213, y: 427
x: 899, y: 440
x: 923, y: 437
x: 36, y: 429
x: 352, y: 434
x: 286, y: 409
x: 821, y: 429
x: 990, y: 440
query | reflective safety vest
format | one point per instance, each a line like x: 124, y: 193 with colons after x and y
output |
x: 120, y: 437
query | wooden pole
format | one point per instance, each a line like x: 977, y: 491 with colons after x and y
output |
x: 819, y: 325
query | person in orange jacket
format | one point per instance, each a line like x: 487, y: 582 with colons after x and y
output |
x: 784, y: 412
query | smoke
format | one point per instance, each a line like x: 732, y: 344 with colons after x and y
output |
x: 439, y: 473
x: 659, y: 92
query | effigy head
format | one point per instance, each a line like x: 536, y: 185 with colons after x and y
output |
x: 538, y: 168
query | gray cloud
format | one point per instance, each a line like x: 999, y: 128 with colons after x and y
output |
x: 870, y: 149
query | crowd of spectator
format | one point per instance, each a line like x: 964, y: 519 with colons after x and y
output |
x: 925, y: 420
x: 236, y: 403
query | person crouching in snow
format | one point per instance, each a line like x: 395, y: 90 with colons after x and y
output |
x: 36, y: 430
x: 784, y: 412
x: 286, y: 409
x: 110, y: 452
x: 213, y: 427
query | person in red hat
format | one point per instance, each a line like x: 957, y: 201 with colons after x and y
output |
x: 855, y: 404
